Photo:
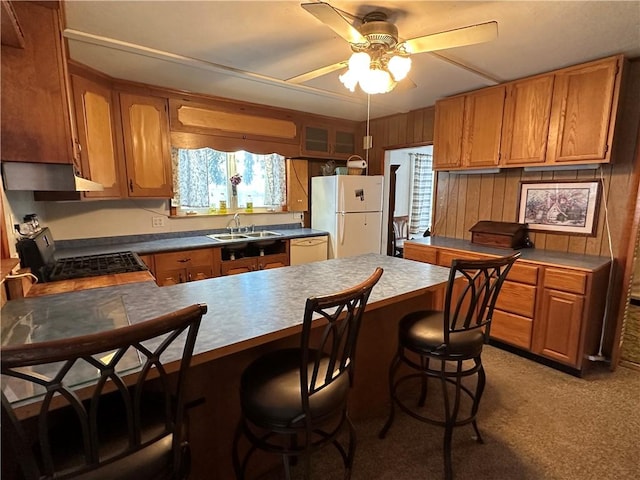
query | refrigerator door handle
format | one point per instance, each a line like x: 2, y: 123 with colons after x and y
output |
x: 341, y: 227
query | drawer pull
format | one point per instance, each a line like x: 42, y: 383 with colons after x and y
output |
x: 184, y: 260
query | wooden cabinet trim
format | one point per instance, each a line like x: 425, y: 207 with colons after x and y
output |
x: 517, y: 298
x: 511, y: 328
x: 565, y: 280
x: 523, y: 273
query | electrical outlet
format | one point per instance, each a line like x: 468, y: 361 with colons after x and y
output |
x: 157, y: 222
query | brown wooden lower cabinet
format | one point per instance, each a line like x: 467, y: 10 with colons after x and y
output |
x: 558, y: 326
x: 251, y: 264
x: 186, y: 266
x: 545, y: 309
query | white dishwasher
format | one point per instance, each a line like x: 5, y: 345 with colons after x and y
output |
x: 309, y: 249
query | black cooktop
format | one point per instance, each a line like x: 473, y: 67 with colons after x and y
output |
x: 95, y: 265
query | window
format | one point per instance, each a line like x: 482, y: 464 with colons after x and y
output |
x: 203, y: 177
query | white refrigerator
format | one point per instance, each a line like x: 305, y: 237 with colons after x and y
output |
x: 349, y: 207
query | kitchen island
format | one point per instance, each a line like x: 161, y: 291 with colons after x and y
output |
x: 247, y: 315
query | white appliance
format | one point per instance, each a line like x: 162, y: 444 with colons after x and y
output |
x: 349, y: 207
x: 307, y: 249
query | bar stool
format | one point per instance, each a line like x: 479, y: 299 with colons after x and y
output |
x: 452, y: 339
x: 294, y: 401
x: 110, y: 430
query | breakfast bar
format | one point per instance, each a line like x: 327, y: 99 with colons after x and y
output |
x: 247, y: 315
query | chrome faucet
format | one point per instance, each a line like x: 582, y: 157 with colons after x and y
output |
x: 236, y: 220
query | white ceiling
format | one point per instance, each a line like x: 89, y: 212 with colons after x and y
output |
x: 247, y: 49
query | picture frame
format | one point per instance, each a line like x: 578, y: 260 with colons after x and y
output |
x: 568, y: 207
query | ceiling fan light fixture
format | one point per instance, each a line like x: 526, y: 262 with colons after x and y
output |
x: 359, y: 63
x: 399, y: 67
x: 376, y: 81
x: 349, y: 79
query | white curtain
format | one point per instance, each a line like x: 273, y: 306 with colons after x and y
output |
x: 421, y: 191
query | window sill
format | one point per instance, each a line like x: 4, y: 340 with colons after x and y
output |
x: 203, y: 212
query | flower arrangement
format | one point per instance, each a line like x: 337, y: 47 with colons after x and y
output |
x: 235, y: 180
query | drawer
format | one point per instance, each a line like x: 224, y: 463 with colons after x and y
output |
x: 517, y: 298
x: 565, y: 280
x: 445, y: 257
x: 524, y: 273
x: 420, y: 253
x: 511, y: 328
x: 173, y: 260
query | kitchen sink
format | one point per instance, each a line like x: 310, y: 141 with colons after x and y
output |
x: 263, y: 234
x: 228, y: 237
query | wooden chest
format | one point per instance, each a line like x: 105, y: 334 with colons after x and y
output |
x: 500, y: 234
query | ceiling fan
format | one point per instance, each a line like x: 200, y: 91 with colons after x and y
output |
x: 380, y: 57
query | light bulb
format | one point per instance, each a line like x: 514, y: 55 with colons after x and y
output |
x: 377, y: 81
x: 359, y: 63
x: 399, y: 67
x: 349, y: 79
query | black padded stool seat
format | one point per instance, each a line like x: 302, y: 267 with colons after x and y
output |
x: 421, y: 332
x: 294, y: 401
x: 271, y: 395
x: 453, y: 339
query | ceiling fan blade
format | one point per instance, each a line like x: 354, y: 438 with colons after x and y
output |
x: 318, y: 72
x: 459, y: 37
x: 404, y: 85
x: 335, y: 21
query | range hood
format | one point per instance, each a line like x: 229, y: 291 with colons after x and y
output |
x: 48, y: 177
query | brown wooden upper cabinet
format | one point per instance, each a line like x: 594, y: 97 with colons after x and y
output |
x: 95, y: 115
x: 585, y: 105
x: 447, y: 135
x: 145, y: 127
x: 328, y: 141
x: 526, y: 121
x: 563, y: 117
x: 36, y: 125
x: 482, y: 127
x: 468, y: 130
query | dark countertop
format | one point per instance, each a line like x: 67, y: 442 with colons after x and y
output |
x: 243, y: 310
x: 570, y: 260
x: 148, y: 244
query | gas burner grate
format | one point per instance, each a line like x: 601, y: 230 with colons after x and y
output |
x: 96, y: 265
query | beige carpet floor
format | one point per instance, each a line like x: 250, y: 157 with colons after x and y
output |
x: 538, y: 424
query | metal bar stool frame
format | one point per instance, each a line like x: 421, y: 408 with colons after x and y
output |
x: 323, y: 365
x: 465, y: 323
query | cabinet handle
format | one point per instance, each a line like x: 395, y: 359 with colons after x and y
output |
x: 184, y: 260
x: 189, y: 277
x: 180, y: 279
x: 131, y: 185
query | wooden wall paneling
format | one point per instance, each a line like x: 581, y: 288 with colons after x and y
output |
x: 393, y: 131
x: 486, y: 197
x: 498, y: 197
x: 460, y: 200
x: 594, y: 244
x: 620, y: 181
x: 440, y: 209
x: 511, y: 195
x: 416, y: 121
x: 472, y: 212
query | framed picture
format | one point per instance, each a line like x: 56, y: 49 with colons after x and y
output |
x: 560, y: 207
